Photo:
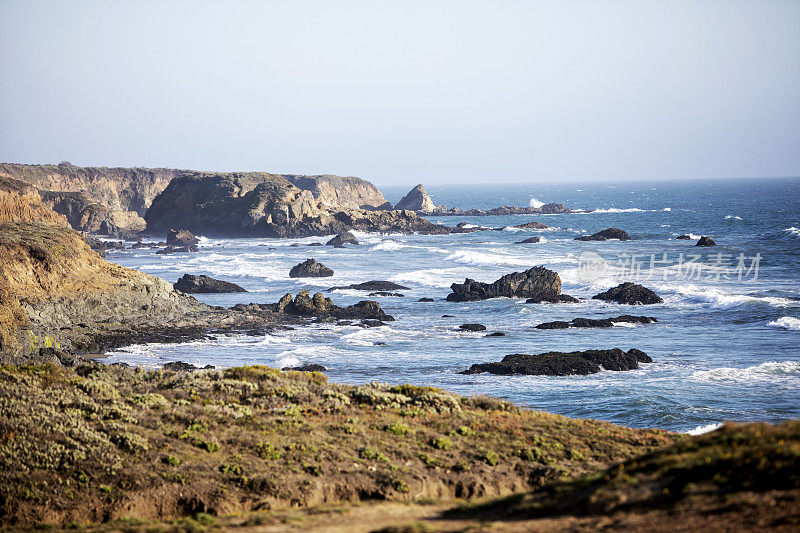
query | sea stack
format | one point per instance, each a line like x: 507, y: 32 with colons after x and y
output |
x: 416, y: 200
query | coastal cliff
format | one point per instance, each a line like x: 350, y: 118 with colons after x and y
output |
x: 250, y: 204
x: 54, y: 289
x: 114, y: 201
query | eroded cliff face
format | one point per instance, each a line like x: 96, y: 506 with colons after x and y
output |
x: 119, y: 189
x: 50, y: 280
x: 269, y: 205
x: 114, y: 201
x: 334, y: 192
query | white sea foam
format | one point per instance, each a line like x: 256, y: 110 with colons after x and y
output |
x: 535, y: 203
x: 732, y: 217
x: 667, y: 209
x: 691, y: 235
x: 388, y: 245
x: 719, y: 299
x: 471, y: 257
x: 700, y: 430
x: 369, y: 336
x: 794, y: 231
x: 786, y: 322
x: 432, y: 277
x: 772, y: 372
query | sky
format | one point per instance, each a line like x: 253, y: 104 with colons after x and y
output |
x: 438, y: 92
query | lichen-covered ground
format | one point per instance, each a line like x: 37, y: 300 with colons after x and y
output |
x: 97, y: 444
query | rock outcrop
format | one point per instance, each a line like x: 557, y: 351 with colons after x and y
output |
x: 606, y: 235
x: 205, y: 285
x: 705, y: 241
x: 373, y: 286
x: 529, y: 240
x: 564, y: 364
x: 89, y: 196
x: 181, y: 238
x: 251, y: 204
x: 59, y: 298
x: 547, y: 209
x: 343, y: 238
x: 683, y: 237
x: 536, y: 282
x: 629, y: 293
x: 305, y: 305
x: 597, y: 322
x: 417, y: 199
x: 310, y: 268
x: 532, y: 225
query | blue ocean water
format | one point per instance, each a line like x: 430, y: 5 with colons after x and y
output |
x: 726, y: 347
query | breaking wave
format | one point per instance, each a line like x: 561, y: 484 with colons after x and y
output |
x: 764, y: 373
x: 786, y: 322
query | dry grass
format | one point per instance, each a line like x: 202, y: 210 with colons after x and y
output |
x: 103, y: 443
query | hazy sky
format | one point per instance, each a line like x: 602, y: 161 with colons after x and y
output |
x: 406, y: 92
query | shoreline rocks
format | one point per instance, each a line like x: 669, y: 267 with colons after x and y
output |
x: 536, y: 282
x: 202, y: 284
x: 417, y: 199
x: 310, y: 268
x: 530, y: 240
x: 606, y: 235
x: 374, y: 285
x: 182, y: 237
x: 303, y: 304
x: 563, y: 363
x: 630, y: 294
x: 705, y: 241
x: 472, y: 327
x: 597, y: 322
x: 343, y: 238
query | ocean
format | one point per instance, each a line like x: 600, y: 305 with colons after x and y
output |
x: 726, y: 346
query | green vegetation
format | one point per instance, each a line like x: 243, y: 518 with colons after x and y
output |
x: 87, y: 440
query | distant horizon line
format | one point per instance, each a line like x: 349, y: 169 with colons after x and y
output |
x: 413, y: 183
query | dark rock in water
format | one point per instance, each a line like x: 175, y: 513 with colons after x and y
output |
x: 371, y: 323
x: 683, y: 237
x: 629, y: 293
x: 532, y: 225
x: 462, y: 224
x: 320, y: 306
x: 563, y: 364
x: 379, y: 343
x: 363, y: 310
x: 343, y: 238
x: 558, y: 324
x: 605, y: 235
x: 560, y: 299
x: 294, y: 245
x: 373, y: 286
x: 385, y: 293
x: 705, y: 241
x: 536, y: 282
x: 496, y: 334
x: 310, y: 268
x: 315, y: 244
x: 416, y: 200
x: 640, y: 356
x: 180, y: 366
x: 203, y: 284
x: 344, y: 323
x: 182, y: 237
x: 307, y: 367
x: 178, y: 249
x: 139, y: 244
x: 425, y: 299
x: 448, y: 316
x: 597, y: 322
x: 472, y: 327
x: 530, y: 240
x: 101, y: 246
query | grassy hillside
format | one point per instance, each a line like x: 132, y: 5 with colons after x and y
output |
x: 101, y: 443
